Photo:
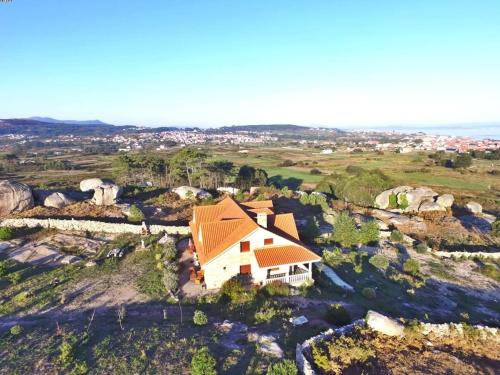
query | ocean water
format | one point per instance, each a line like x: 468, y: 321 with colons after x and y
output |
x: 477, y: 131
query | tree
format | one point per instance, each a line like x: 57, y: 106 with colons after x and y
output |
x: 463, y: 161
x: 311, y: 231
x: 135, y: 214
x: 203, y: 363
x: 284, y: 367
x: 190, y: 163
x: 345, y: 232
x: 361, y: 186
x: 218, y: 172
x: 170, y: 277
x: 249, y: 176
x: 369, y: 233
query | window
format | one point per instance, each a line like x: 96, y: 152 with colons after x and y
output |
x: 246, y: 269
x: 244, y: 246
x: 268, y: 241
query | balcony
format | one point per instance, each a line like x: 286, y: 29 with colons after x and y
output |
x: 293, y: 279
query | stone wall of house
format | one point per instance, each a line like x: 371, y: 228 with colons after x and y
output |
x: 92, y: 226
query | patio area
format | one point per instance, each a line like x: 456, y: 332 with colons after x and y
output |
x: 189, y: 285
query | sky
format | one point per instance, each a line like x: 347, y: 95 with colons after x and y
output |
x: 208, y: 62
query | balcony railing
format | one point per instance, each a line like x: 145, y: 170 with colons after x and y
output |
x: 290, y: 279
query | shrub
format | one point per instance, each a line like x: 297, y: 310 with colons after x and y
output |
x: 235, y: 291
x: 66, y: 354
x: 421, y: 248
x: 304, y: 198
x: 338, y: 315
x: 266, y: 312
x: 403, y: 204
x: 369, y: 293
x: 170, y: 277
x: 200, y: 318
x: 6, y: 233
x: 369, y: 233
x: 277, y: 288
x: 396, y: 236
x: 345, y: 232
x: 315, y: 171
x: 495, y: 228
x: 489, y: 270
x: 16, y: 330
x: 286, y: 192
x: 14, y: 277
x: 393, y: 201
x: 203, y: 363
x: 284, y: 367
x: 286, y: 163
x: 3, y: 268
x: 412, y: 267
x: 135, y: 215
x: 170, y: 252
x: 379, y: 261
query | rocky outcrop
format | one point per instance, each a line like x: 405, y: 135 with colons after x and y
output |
x: 54, y: 199
x: 106, y: 193
x: 409, y: 199
x: 402, y: 222
x: 90, y: 184
x: 14, y: 197
x: 474, y: 208
x: 383, y: 324
x: 186, y: 192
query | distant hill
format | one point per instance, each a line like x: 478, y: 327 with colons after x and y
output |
x: 47, y: 129
x: 275, y: 128
x: 72, y: 122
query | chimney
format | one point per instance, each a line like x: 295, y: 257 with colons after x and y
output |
x: 262, y: 219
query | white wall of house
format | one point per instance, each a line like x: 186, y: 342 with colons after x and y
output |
x: 227, y: 264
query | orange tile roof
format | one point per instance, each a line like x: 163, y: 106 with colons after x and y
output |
x: 284, y: 223
x: 258, y: 204
x: 227, y: 222
x: 263, y: 210
x: 271, y: 256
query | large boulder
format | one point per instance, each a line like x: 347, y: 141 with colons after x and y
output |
x: 57, y: 200
x: 428, y: 206
x: 383, y: 324
x: 445, y: 200
x: 474, y: 207
x: 106, y: 194
x: 14, y: 197
x: 90, y: 184
x: 185, y: 192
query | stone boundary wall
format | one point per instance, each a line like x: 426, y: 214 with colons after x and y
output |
x: 440, y: 330
x: 93, y: 226
x: 459, y: 254
x: 305, y: 367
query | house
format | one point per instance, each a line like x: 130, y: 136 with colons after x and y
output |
x: 248, y: 238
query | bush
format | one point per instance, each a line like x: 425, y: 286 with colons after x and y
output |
x: 234, y: 290
x: 315, y: 171
x: 369, y: 293
x: 203, y: 363
x: 170, y: 277
x: 286, y: 163
x: 338, y: 315
x: 3, y: 268
x: 135, y: 215
x: 379, y: 261
x: 277, y: 288
x: 345, y: 232
x: 397, y: 236
x: 421, y: 248
x: 14, y: 277
x: 16, y: 330
x: 6, y: 233
x: 369, y: 233
x: 304, y: 198
x: 266, y: 312
x: 412, y: 267
x: 403, y: 204
x: 170, y: 252
x: 200, y: 318
x: 393, y: 201
x: 284, y: 367
x: 495, y: 228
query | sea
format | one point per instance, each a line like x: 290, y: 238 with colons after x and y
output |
x: 476, y: 131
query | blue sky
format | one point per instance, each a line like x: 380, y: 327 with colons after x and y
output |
x: 208, y: 62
